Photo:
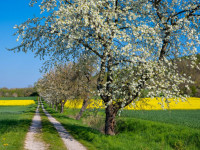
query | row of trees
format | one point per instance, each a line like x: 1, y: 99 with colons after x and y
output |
x: 18, y: 92
x: 68, y: 81
x: 135, y: 44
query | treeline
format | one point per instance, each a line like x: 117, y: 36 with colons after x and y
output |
x: 184, y: 67
x: 18, y: 92
x: 75, y: 80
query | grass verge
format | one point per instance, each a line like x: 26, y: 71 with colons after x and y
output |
x: 14, y: 124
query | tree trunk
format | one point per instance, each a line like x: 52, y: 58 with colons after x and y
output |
x: 84, y: 106
x: 62, y: 107
x: 53, y: 105
x: 56, y: 106
x: 110, y: 120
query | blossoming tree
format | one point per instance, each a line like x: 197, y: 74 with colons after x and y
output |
x: 56, y: 87
x: 137, y: 44
x: 84, y: 71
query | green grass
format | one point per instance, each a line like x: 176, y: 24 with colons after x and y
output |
x: 14, y: 124
x: 132, y: 134
x: 188, y: 118
x: 18, y: 98
x: 6, y: 110
x: 50, y: 134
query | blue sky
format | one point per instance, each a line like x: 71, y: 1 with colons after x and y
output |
x: 17, y: 70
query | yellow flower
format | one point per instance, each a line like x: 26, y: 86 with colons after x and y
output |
x: 5, y: 144
x: 16, y: 102
x: 143, y: 104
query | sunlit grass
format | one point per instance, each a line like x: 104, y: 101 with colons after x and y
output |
x: 50, y: 134
x: 14, y: 124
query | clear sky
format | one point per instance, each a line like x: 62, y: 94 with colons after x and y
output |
x: 17, y: 70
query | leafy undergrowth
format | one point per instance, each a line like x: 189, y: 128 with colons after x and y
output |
x: 132, y: 134
x: 50, y: 135
x: 14, y: 124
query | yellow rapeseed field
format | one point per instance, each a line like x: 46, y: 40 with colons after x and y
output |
x: 16, y: 102
x: 144, y: 104
x: 157, y: 104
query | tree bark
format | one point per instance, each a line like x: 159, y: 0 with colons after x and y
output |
x: 164, y: 48
x: 56, y: 106
x: 49, y: 104
x: 110, y: 120
x: 62, y: 107
x: 83, y: 108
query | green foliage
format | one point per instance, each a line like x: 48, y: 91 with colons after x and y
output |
x: 184, y: 68
x: 18, y: 92
x: 198, y: 58
x: 193, y: 90
x: 144, y: 93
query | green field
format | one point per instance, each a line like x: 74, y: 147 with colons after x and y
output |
x: 18, y: 98
x: 14, y: 124
x: 189, y: 118
x: 136, y: 130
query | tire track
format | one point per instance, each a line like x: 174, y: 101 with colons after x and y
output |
x: 32, y: 141
x: 68, y: 140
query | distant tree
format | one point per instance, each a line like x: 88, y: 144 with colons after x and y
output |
x: 45, y: 88
x: 64, y: 84
x: 68, y: 82
x: 14, y: 94
x: 1, y: 95
x: 34, y: 94
x: 56, y: 86
x: 84, y: 70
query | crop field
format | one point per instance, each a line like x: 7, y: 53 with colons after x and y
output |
x: 189, y: 118
x: 18, y: 98
x: 17, y: 101
x: 15, y: 118
x: 14, y: 124
x: 144, y: 104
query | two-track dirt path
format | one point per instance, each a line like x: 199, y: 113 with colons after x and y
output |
x: 68, y: 140
x: 32, y: 141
